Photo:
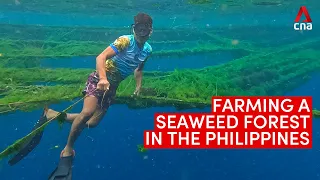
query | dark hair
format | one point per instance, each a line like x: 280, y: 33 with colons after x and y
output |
x: 143, y: 18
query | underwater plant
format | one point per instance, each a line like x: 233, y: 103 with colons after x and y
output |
x: 261, y: 70
x: 316, y: 113
x: 199, y: 1
x: 141, y: 148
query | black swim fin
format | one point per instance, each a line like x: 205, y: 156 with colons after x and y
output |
x: 64, y: 169
x: 31, y: 144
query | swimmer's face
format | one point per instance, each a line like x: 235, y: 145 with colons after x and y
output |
x: 142, y: 32
x: 141, y: 39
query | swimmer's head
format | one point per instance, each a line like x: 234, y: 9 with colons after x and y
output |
x: 142, y: 27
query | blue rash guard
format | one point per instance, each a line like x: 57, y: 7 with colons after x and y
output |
x: 128, y: 57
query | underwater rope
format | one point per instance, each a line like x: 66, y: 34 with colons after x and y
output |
x: 18, y: 144
x: 3, y: 112
x: 40, y: 101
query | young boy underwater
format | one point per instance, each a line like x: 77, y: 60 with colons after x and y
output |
x: 125, y: 56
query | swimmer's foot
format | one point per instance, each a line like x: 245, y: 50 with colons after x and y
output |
x: 64, y: 169
x: 50, y: 113
x: 67, y: 152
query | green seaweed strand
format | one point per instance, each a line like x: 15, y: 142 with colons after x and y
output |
x: 16, y: 146
x: 316, y: 113
x: 141, y: 148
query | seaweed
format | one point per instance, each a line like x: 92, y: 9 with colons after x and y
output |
x: 316, y: 113
x: 141, y: 148
x: 26, y: 46
x: 252, y: 75
x: 267, y: 3
x: 200, y: 2
x: 258, y: 71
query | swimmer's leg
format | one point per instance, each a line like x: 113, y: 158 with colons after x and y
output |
x: 90, y: 108
x: 70, y: 117
x: 91, y: 111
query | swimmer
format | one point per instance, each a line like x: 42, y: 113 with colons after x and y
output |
x: 123, y: 57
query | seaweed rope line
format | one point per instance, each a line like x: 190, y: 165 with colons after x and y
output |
x: 35, y: 131
x: 17, y: 103
x: 17, y: 143
x: 53, y: 118
x: 14, y: 103
x: 13, y: 109
x: 2, y: 112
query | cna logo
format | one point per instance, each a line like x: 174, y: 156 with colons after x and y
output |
x: 305, y: 24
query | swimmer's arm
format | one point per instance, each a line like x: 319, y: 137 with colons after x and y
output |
x: 117, y: 46
x: 138, y: 76
x: 101, y: 61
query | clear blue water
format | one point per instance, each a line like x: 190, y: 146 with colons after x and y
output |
x: 109, y: 151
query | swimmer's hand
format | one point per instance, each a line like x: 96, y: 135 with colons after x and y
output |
x: 103, y: 84
x: 137, y: 92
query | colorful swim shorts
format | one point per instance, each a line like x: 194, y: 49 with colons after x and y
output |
x: 105, y: 98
